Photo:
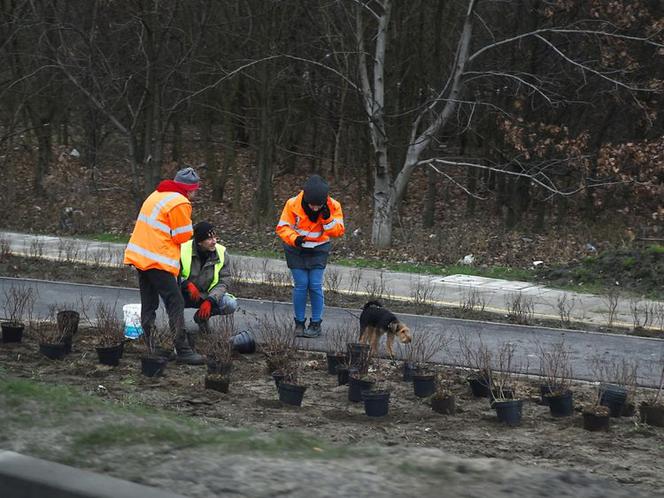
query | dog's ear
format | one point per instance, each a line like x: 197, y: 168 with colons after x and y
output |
x: 404, y: 334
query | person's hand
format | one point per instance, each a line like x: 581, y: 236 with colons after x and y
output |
x: 299, y: 240
x: 325, y: 211
x: 192, y: 290
x: 205, y: 310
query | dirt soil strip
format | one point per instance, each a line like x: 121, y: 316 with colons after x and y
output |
x: 172, y: 433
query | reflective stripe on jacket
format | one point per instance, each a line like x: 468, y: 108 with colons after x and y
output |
x: 295, y: 222
x: 162, y: 225
x: 209, y: 279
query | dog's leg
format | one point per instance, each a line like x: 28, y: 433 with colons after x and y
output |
x: 389, y: 343
x: 374, y: 343
x: 363, y: 336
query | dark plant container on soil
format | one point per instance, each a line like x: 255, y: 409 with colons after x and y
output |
x: 344, y: 373
x: 12, y: 332
x: 444, y: 404
x: 409, y: 369
x: 333, y: 361
x: 652, y: 414
x: 219, y: 367
x: 596, y: 419
x: 277, y: 377
x: 243, y: 343
x: 217, y: 382
x: 358, y: 356
x: 424, y: 385
x: 479, y: 387
x: 53, y: 351
x: 560, y: 404
x: 613, y: 397
x: 291, y: 394
x: 153, y: 366
x: 545, y: 390
x: 110, y: 355
x: 509, y: 411
x: 356, y: 386
x: 376, y: 403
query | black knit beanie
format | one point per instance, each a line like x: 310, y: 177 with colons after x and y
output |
x: 203, y: 230
x: 316, y: 191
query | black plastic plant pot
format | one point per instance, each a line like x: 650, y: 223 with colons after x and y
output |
x: 424, y: 385
x: 110, y: 355
x: 12, y: 332
x: 652, y: 414
x: 445, y: 405
x: 153, y: 366
x: 508, y: 411
x: 358, y: 356
x: 219, y: 367
x: 217, y: 382
x: 53, y: 351
x: 68, y: 322
x: 409, y: 369
x: 560, y: 405
x: 243, y: 342
x: 613, y: 397
x: 67, y: 341
x: 545, y: 390
x: 291, y: 394
x: 479, y: 387
x: 355, y: 388
x: 333, y: 361
x: 595, y: 422
x: 277, y: 377
x: 376, y: 403
x: 344, y: 373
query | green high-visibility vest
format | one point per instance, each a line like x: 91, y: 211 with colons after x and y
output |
x: 185, y: 257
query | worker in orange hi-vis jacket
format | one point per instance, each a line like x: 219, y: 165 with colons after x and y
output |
x: 308, y: 222
x: 163, y: 224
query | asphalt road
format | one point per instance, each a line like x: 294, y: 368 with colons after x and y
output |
x: 583, y: 346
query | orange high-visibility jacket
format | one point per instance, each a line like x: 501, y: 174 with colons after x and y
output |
x: 162, y: 225
x: 294, y: 222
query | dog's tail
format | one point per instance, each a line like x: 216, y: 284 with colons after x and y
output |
x: 377, y: 304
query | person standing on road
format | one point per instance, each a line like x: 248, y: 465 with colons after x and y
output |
x: 163, y: 224
x: 205, y: 276
x: 308, y: 222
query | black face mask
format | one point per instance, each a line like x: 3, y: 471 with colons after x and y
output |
x: 311, y: 214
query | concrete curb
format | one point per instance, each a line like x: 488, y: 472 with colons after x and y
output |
x: 26, y: 477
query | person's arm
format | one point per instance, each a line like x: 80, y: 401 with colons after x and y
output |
x: 286, y: 226
x: 218, y: 291
x: 180, y: 220
x: 333, y: 226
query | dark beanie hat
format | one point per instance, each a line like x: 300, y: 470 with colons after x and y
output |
x: 203, y: 230
x: 316, y: 191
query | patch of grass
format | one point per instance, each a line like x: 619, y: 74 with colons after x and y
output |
x: 655, y: 249
x: 19, y: 392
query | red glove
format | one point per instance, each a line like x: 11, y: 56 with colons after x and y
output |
x: 204, y: 310
x: 193, y: 292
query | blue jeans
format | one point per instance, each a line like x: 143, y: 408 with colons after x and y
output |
x: 308, y: 282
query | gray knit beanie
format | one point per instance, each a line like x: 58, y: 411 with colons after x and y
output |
x: 188, y: 178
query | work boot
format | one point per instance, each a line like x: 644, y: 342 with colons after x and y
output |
x: 184, y: 352
x: 313, y: 330
x: 191, y: 339
x: 299, y: 328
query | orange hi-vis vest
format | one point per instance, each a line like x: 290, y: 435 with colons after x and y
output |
x: 162, y: 225
x: 294, y: 222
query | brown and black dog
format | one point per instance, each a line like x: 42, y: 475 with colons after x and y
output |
x: 377, y: 320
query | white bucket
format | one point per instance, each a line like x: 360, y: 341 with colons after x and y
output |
x: 132, y: 320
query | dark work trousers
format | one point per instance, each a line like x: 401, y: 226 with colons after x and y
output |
x: 154, y: 284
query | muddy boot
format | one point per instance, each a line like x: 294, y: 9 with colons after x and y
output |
x: 299, y: 328
x: 313, y: 330
x: 184, y: 352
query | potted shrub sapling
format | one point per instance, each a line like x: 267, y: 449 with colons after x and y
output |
x: 50, y: 339
x: 618, y: 380
x: 277, y: 343
x: 291, y: 392
x: 556, y: 373
x: 153, y: 361
x: 67, y: 320
x: 426, y: 345
x: 443, y: 400
x: 336, y: 340
x: 595, y: 416
x: 651, y: 410
x: 17, y: 308
x: 478, y: 357
x: 376, y: 400
x: 357, y: 384
x: 217, y: 346
x: 109, y: 332
x: 505, y: 401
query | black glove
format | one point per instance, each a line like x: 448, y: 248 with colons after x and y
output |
x: 325, y: 211
x: 299, y: 240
